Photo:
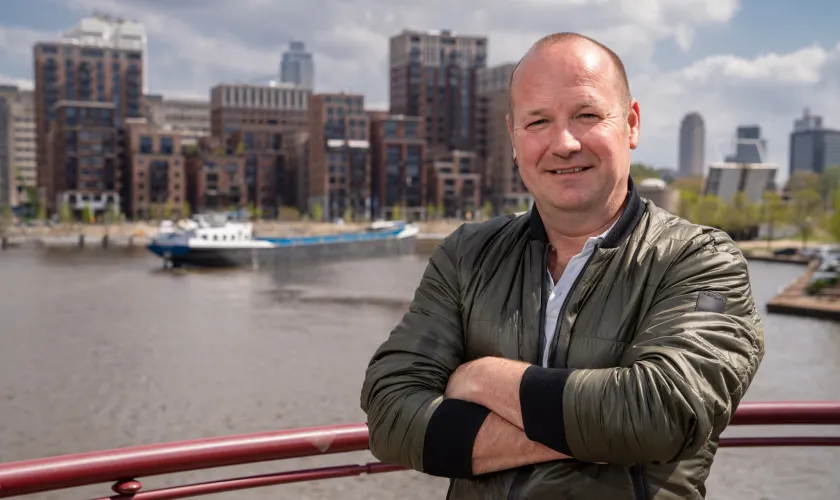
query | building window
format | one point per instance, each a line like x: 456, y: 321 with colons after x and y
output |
x: 166, y: 145
x: 390, y: 128
x: 146, y: 146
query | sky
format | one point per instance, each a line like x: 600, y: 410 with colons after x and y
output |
x: 736, y: 62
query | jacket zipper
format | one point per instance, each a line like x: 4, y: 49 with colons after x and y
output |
x: 569, y: 293
x: 522, y: 472
x: 637, y: 476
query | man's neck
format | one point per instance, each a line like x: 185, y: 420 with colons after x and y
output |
x: 568, y: 239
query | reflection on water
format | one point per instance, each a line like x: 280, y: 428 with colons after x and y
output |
x: 102, y: 350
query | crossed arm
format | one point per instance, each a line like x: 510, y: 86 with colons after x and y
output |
x: 679, y: 382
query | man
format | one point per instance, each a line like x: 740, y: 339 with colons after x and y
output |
x: 594, y: 348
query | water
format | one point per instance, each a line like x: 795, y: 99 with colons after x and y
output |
x: 107, y: 350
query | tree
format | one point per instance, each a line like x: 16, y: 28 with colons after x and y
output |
x: 803, y: 180
x: 431, y: 213
x: 65, y: 215
x: 829, y: 182
x: 689, y: 184
x: 834, y: 222
x: 396, y: 212
x: 487, y: 210
x: 441, y: 212
x: 687, y: 205
x: 186, y: 210
x: 740, y: 216
x: 87, y: 215
x: 317, y: 212
x: 523, y: 206
x: 348, y: 214
x: 167, y: 210
x: 710, y: 211
x: 774, y: 211
x: 639, y: 171
x: 6, y: 218
x: 807, y: 209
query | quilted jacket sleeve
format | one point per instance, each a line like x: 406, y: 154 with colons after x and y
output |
x: 696, y: 352
x: 410, y: 421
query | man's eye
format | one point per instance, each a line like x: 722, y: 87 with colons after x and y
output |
x: 588, y: 115
x: 538, y: 122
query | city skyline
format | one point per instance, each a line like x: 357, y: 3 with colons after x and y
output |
x: 722, y: 58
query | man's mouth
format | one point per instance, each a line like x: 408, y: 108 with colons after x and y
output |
x: 562, y: 171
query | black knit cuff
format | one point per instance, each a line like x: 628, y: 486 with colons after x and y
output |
x: 541, y: 402
x: 450, y: 435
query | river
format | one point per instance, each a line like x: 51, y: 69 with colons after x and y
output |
x: 102, y: 350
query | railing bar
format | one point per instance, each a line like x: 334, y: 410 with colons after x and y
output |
x: 193, y: 490
x: 341, y: 471
x: 758, y: 442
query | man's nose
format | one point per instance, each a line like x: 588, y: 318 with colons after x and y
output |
x: 564, y: 141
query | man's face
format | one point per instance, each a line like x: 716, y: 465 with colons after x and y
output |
x: 572, y: 127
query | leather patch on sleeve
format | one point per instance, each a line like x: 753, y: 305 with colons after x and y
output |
x: 710, y: 302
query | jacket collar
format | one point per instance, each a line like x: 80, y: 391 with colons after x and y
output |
x: 624, y: 226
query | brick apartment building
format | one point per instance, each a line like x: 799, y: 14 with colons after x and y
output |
x: 398, y: 165
x: 71, y: 71
x: 501, y: 183
x: 155, y: 172
x: 82, y: 148
x: 257, y: 109
x: 269, y: 182
x: 339, y: 155
x: 454, y: 183
x: 433, y: 75
x: 215, y: 179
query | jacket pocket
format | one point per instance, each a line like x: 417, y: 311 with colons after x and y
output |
x: 637, y: 477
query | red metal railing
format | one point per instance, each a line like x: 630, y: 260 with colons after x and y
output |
x: 124, y: 466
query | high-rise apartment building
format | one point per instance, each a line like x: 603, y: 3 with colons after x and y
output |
x: 433, y: 75
x: 83, y: 145
x: 749, y: 146
x: 501, y: 182
x: 102, y: 30
x: 812, y: 147
x: 297, y: 67
x: 807, y: 122
x: 18, y: 174
x: 692, y: 146
x: 339, y: 155
x: 92, y: 76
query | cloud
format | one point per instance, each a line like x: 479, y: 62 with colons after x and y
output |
x: 21, y: 83
x: 202, y: 42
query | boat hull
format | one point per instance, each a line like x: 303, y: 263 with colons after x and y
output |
x: 279, y: 252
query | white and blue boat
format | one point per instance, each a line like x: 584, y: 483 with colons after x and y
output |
x: 217, y: 241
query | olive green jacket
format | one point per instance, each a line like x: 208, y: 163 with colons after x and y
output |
x: 657, y: 343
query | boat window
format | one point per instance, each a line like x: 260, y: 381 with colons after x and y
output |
x: 203, y: 236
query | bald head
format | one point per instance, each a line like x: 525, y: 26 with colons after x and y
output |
x: 555, y: 39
